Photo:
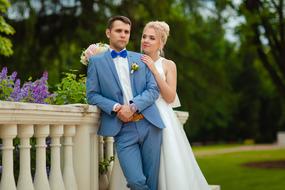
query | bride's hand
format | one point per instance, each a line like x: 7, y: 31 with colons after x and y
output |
x: 149, y: 62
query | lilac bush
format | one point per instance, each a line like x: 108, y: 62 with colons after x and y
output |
x: 34, y: 92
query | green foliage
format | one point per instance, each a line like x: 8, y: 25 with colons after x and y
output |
x: 104, y: 164
x: 260, y: 80
x: 203, y: 57
x: 4, y: 4
x: 5, y: 28
x: 71, y: 89
x: 5, y: 46
x: 6, y: 88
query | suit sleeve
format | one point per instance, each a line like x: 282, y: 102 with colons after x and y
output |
x: 149, y: 95
x: 93, y: 92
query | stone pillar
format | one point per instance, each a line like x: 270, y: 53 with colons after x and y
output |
x: 25, y: 182
x: 41, y: 179
x: 55, y: 178
x: 7, y: 133
x: 68, y: 169
x: 281, y: 138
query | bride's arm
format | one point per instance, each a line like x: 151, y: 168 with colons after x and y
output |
x: 168, y: 87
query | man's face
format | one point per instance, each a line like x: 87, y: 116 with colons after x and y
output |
x: 119, y: 35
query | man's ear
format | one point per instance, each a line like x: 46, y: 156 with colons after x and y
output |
x: 108, y: 32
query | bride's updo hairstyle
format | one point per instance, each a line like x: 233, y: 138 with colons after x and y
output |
x: 162, y: 29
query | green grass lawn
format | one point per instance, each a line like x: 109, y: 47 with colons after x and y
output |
x: 227, y: 170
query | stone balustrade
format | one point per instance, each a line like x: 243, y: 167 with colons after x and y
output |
x: 74, y: 146
x: 75, y: 149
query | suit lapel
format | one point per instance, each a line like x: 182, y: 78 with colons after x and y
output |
x: 112, y: 67
x: 131, y: 61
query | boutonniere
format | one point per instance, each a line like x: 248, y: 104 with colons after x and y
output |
x: 134, y: 67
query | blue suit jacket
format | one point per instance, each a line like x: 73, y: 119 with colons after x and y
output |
x: 104, y: 90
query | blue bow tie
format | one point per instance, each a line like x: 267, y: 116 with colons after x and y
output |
x: 122, y: 53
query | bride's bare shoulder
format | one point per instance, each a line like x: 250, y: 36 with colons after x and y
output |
x: 169, y: 63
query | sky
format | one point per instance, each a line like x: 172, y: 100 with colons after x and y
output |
x: 233, y: 20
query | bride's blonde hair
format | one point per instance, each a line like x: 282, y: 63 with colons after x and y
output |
x: 162, y: 28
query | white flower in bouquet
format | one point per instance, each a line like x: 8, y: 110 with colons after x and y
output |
x: 93, y: 49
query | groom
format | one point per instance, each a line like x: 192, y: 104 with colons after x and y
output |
x: 125, y: 90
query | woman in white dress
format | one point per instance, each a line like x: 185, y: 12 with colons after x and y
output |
x: 178, y: 167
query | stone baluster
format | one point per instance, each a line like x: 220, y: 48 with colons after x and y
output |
x: 109, y: 143
x: 25, y: 132
x: 68, y: 169
x: 41, y: 179
x: 86, y: 156
x: 7, y: 133
x: 101, y: 148
x: 55, y: 178
x: 182, y: 116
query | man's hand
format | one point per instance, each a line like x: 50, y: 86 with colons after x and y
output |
x: 125, y: 113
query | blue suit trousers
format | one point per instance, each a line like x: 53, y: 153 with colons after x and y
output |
x: 138, y: 147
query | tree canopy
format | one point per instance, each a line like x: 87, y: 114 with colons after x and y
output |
x: 233, y: 90
x: 5, y: 29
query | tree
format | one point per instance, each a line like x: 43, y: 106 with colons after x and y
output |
x: 264, y: 29
x: 261, y: 80
x: 51, y: 35
x: 6, y: 29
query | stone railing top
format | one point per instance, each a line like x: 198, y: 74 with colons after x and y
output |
x: 183, y: 116
x: 26, y: 113
x: 47, y: 107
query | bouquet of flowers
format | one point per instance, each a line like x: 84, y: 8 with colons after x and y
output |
x: 93, y: 49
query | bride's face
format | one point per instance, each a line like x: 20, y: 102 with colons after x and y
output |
x: 150, y: 41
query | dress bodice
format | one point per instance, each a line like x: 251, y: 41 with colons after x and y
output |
x: 159, y: 66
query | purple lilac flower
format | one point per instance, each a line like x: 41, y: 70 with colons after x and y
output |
x: 34, y: 92
x: 13, y: 76
x: 25, y: 93
x: 40, y: 89
x: 11, y: 79
x: 45, y: 76
x: 3, y: 74
x: 16, y: 94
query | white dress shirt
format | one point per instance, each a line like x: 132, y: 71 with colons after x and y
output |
x: 123, y: 70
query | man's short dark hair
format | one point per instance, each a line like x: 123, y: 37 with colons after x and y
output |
x: 120, y: 18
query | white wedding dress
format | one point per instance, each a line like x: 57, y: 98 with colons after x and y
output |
x: 178, y: 167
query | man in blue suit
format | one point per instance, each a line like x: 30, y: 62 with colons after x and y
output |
x: 123, y: 87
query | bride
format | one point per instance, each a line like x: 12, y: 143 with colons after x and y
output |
x: 178, y: 166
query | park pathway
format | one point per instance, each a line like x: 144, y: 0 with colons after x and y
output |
x: 237, y: 149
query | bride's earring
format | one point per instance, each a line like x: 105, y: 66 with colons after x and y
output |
x: 159, y: 52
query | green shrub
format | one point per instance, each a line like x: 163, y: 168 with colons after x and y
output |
x: 71, y: 89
